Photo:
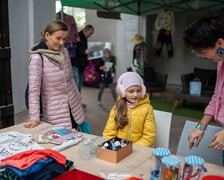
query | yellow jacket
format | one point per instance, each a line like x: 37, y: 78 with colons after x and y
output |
x: 141, y: 127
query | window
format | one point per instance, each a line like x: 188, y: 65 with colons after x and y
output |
x: 78, y: 13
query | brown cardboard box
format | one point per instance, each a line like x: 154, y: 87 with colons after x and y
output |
x: 112, y: 155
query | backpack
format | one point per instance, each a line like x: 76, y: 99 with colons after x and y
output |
x: 27, y: 94
x: 91, y: 76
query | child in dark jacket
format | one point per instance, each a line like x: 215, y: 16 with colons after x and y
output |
x: 106, y: 68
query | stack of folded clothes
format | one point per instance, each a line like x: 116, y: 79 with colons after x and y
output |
x: 44, y: 164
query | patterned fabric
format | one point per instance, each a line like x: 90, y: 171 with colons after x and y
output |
x: 165, y: 20
x: 138, y: 68
x: 140, y: 58
x: 8, y: 175
x: 13, y: 142
x: 73, y: 35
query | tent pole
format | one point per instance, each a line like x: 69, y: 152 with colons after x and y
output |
x: 139, y: 23
x: 138, y: 13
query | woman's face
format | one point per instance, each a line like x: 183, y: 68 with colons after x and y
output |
x: 133, y: 94
x: 211, y: 53
x: 56, y: 40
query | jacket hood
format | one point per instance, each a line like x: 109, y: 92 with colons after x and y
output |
x: 42, y: 48
x: 144, y: 100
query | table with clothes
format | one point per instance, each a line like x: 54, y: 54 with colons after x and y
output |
x: 41, y: 160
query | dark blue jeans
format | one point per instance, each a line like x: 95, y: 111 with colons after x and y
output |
x: 78, y: 76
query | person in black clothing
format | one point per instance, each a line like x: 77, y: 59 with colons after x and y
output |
x: 81, y: 60
x: 106, y: 68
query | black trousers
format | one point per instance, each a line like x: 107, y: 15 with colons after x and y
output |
x: 74, y: 124
x: 164, y: 37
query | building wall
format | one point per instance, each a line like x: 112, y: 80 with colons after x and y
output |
x: 180, y: 63
x: 26, y: 19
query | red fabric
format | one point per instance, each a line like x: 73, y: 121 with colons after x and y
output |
x: 77, y: 175
x: 212, y: 177
x: 26, y: 159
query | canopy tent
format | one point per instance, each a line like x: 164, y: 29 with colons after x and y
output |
x: 145, y: 7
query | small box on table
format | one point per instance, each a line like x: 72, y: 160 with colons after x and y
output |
x: 114, y: 150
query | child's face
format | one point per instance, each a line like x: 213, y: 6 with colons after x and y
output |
x: 106, y: 55
x: 133, y: 94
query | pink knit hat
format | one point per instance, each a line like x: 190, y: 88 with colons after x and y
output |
x: 127, y: 80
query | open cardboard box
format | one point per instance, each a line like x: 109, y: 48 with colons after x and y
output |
x: 114, y: 156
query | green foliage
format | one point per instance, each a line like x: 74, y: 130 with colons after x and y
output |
x: 189, y: 111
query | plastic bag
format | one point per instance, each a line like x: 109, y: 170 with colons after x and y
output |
x: 120, y: 175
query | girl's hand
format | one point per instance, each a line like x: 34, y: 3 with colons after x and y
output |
x: 89, y: 51
x: 217, y: 141
x: 31, y: 124
x: 102, y: 67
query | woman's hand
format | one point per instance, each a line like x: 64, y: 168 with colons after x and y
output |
x: 195, y: 137
x: 31, y: 124
x: 217, y: 141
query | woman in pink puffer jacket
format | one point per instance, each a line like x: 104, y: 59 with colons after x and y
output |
x: 52, y: 77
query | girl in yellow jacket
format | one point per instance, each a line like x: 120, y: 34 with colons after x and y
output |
x: 132, y: 116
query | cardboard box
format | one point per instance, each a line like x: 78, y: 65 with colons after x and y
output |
x: 114, y: 156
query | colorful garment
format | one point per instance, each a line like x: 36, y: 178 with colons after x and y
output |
x: 13, y: 142
x: 165, y: 26
x: 140, y: 58
x: 27, y: 158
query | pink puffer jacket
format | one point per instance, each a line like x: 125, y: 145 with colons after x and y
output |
x: 58, y: 91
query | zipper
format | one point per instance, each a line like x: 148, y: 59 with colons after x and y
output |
x: 129, y: 124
